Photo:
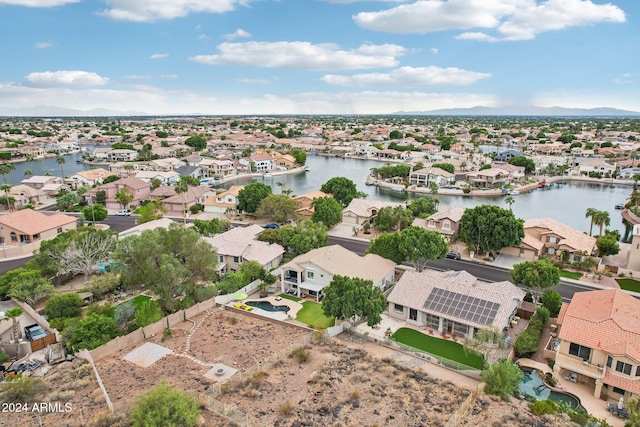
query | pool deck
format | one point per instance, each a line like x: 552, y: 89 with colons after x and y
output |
x: 294, y: 307
x: 596, y: 407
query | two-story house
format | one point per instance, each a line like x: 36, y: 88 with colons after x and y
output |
x: 423, y: 177
x: 304, y: 208
x: 546, y: 236
x: 241, y: 244
x: 360, y: 211
x: 309, y: 273
x: 446, y: 221
x: 262, y: 162
x: 122, y: 155
x: 489, y: 178
x: 224, y: 202
x: 598, y: 342
x: 137, y: 187
x: 91, y: 177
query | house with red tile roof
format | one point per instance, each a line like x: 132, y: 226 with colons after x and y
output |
x: 599, y: 342
x: 22, y: 231
x: 304, y: 208
x: 140, y: 189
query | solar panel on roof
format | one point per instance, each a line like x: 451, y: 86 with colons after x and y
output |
x: 465, y: 307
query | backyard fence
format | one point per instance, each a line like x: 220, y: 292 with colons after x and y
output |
x: 458, y: 416
x: 230, y: 411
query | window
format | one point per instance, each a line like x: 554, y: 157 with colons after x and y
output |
x: 446, y: 224
x: 552, y: 239
x: 310, y: 275
x: 14, y: 237
x: 59, y: 230
x: 618, y: 390
x: 399, y: 308
x: 609, y: 361
x: 551, y: 251
x: 578, y: 350
x: 637, y: 371
x: 413, y: 314
x: 625, y: 368
x: 220, y: 258
x: 236, y: 259
x: 433, y: 321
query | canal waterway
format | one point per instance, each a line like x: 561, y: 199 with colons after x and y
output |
x: 566, y: 202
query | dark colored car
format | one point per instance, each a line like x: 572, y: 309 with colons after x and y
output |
x: 34, y: 332
x: 453, y: 255
x: 272, y: 226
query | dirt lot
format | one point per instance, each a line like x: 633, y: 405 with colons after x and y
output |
x: 339, y: 384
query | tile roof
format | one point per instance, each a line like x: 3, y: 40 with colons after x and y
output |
x: 363, y: 207
x: 413, y: 289
x: 241, y: 241
x: 454, y: 213
x: 93, y: 174
x: 31, y: 222
x: 570, y: 237
x: 337, y: 260
x: 608, y: 320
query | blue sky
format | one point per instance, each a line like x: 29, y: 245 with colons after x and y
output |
x: 318, y: 56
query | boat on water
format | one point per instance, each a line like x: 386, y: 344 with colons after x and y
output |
x: 514, y: 192
x: 620, y: 206
x: 266, y: 175
x: 307, y: 168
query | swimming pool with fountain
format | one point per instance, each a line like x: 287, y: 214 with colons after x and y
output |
x: 532, y: 385
x: 267, y: 306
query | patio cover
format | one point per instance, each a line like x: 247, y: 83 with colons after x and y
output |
x: 311, y: 286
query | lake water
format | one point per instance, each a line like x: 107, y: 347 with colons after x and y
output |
x: 566, y: 203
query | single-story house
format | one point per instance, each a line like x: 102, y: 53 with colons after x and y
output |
x: 27, y: 228
x: 91, y: 177
x: 454, y: 302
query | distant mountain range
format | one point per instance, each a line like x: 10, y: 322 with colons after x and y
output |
x: 49, y: 111
x: 514, y: 110
x: 529, y: 110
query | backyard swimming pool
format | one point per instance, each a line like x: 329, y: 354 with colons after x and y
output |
x: 267, y: 306
x: 533, y: 385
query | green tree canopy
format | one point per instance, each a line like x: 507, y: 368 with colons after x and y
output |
x: 151, y: 211
x: 249, y: 197
x: 93, y: 331
x: 528, y: 164
x: 552, y: 300
x: 300, y: 156
x: 420, y: 246
x: 536, y: 275
x: 423, y: 207
x: 387, y: 246
x: 94, y: 212
x: 395, y: 134
x: 165, y: 406
x: 607, y: 245
x: 389, y: 218
x: 445, y: 166
x: 171, y: 261
x: 326, y: 210
x: 30, y: 288
x: 197, y: 142
x: 347, y: 297
x: 212, y: 226
x: 502, y: 379
x: 343, y: 190
x: 124, y: 197
x: 299, y: 239
x: 66, y: 201
x: 390, y: 171
x: 64, y: 306
x: 17, y: 275
x: 276, y: 207
x: 490, y: 228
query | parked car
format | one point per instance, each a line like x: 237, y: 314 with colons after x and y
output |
x: 272, y: 226
x: 453, y: 255
x: 124, y: 212
x: 34, y: 332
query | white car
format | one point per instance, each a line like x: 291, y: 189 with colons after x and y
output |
x: 123, y: 213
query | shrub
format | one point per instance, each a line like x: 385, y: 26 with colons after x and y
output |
x: 147, y: 313
x: 65, y: 306
x: 24, y: 390
x: 543, y: 314
x: 543, y: 407
x: 301, y: 354
x: 102, y: 309
x: 206, y: 292
x: 104, y: 284
x: 3, y: 358
x: 502, y: 379
x: 549, y: 379
x: 124, y: 313
x: 165, y: 405
x: 285, y: 409
x: 233, y: 320
x: 552, y: 300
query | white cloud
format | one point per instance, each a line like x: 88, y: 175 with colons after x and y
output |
x: 44, y: 45
x: 65, y: 78
x: 169, y: 76
x: 148, y: 11
x: 261, y: 81
x: 239, y: 33
x: 158, y: 56
x: 304, y: 56
x: 38, y: 3
x: 626, y: 78
x: 410, y: 77
x: 510, y: 19
x: 202, y: 36
x: 434, y: 50
x: 137, y: 77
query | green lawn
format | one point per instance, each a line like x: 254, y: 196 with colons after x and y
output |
x: 575, y: 275
x: 438, y: 347
x: 629, y: 284
x: 289, y: 297
x: 138, y: 300
x: 311, y: 314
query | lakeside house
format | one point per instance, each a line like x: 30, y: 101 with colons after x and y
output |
x: 360, y: 211
x: 22, y: 232
x: 446, y: 221
x: 303, y: 207
x: 226, y: 201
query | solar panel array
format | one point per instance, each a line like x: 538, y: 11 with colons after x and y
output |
x: 462, y: 306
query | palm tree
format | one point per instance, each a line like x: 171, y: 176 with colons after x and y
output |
x: 128, y: 168
x: 61, y: 161
x: 4, y: 171
x: 28, y: 172
x: 6, y: 187
x: 13, y: 314
x: 182, y: 187
x: 281, y: 185
x: 510, y: 201
x: 11, y: 168
x: 591, y: 212
x: 602, y: 219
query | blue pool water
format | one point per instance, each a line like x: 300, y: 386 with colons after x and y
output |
x: 267, y: 306
x: 533, y: 385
